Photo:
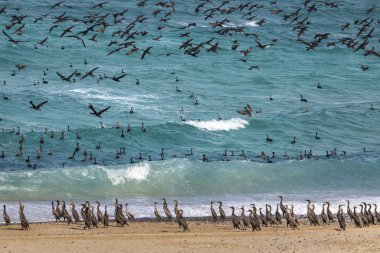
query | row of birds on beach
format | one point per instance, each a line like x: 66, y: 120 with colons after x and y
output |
x: 253, y: 220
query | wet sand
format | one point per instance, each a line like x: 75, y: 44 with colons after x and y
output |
x: 203, y: 237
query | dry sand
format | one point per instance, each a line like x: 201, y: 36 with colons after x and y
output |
x: 203, y: 237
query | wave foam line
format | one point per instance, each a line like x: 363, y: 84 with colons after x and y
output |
x: 219, y: 125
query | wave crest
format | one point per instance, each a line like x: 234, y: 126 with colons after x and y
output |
x: 138, y: 172
x: 219, y: 125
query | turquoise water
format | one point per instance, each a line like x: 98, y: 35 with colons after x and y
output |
x: 222, y: 83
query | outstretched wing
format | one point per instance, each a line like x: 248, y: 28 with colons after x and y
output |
x: 41, y: 104
x: 105, y: 109
x: 92, y: 109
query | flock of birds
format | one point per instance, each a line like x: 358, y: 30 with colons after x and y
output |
x: 126, y: 36
x: 256, y: 219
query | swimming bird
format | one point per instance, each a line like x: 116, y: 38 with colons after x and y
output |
x: 269, y: 139
x: 97, y: 113
x: 37, y: 107
x: 6, y: 218
x: 316, y: 136
x: 303, y: 99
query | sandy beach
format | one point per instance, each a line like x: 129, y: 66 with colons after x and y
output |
x: 203, y: 237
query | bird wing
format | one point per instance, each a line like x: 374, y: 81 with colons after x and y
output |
x: 9, y: 37
x: 41, y: 104
x: 92, y: 108
x: 105, y: 109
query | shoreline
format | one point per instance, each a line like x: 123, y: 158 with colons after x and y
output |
x: 143, y: 236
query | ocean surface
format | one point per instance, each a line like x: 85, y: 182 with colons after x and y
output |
x: 188, y: 102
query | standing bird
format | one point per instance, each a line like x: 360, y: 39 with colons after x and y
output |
x: 349, y: 211
x: 128, y: 213
x: 235, y: 219
x: 105, y: 218
x: 341, y: 220
x: 99, y: 213
x: 182, y: 222
x: 167, y: 211
x: 377, y: 215
x: 357, y: 219
x: 244, y: 219
x: 213, y: 213
x: 278, y: 215
x: 263, y: 218
x: 74, y: 212
x: 55, y: 213
x: 323, y: 215
x: 7, y: 220
x: 66, y: 214
x: 86, y: 216
x: 283, y: 209
x: 269, y: 215
x: 252, y: 221
x: 221, y: 211
x: 23, y: 220
x: 156, y: 213
x: 329, y: 213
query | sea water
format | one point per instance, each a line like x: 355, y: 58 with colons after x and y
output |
x: 213, y: 87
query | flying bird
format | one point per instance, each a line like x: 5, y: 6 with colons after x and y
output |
x: 97, y: 113
x: 37, y: 107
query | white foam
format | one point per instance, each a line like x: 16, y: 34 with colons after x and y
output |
x: 138, y: 172
x: 252, y: 23
x: 219, y: 125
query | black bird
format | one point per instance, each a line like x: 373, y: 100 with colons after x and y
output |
x: 97, y: 113
x: 100, y: 5
x: 263, y: 46
x: 146, y: 51
x: 117, y: 78
x: 89, y: 73
x: 10, y: 39
x: 37, y: 107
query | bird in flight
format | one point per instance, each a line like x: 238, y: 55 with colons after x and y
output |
x: 37, y: 107
x: 97, y: 113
